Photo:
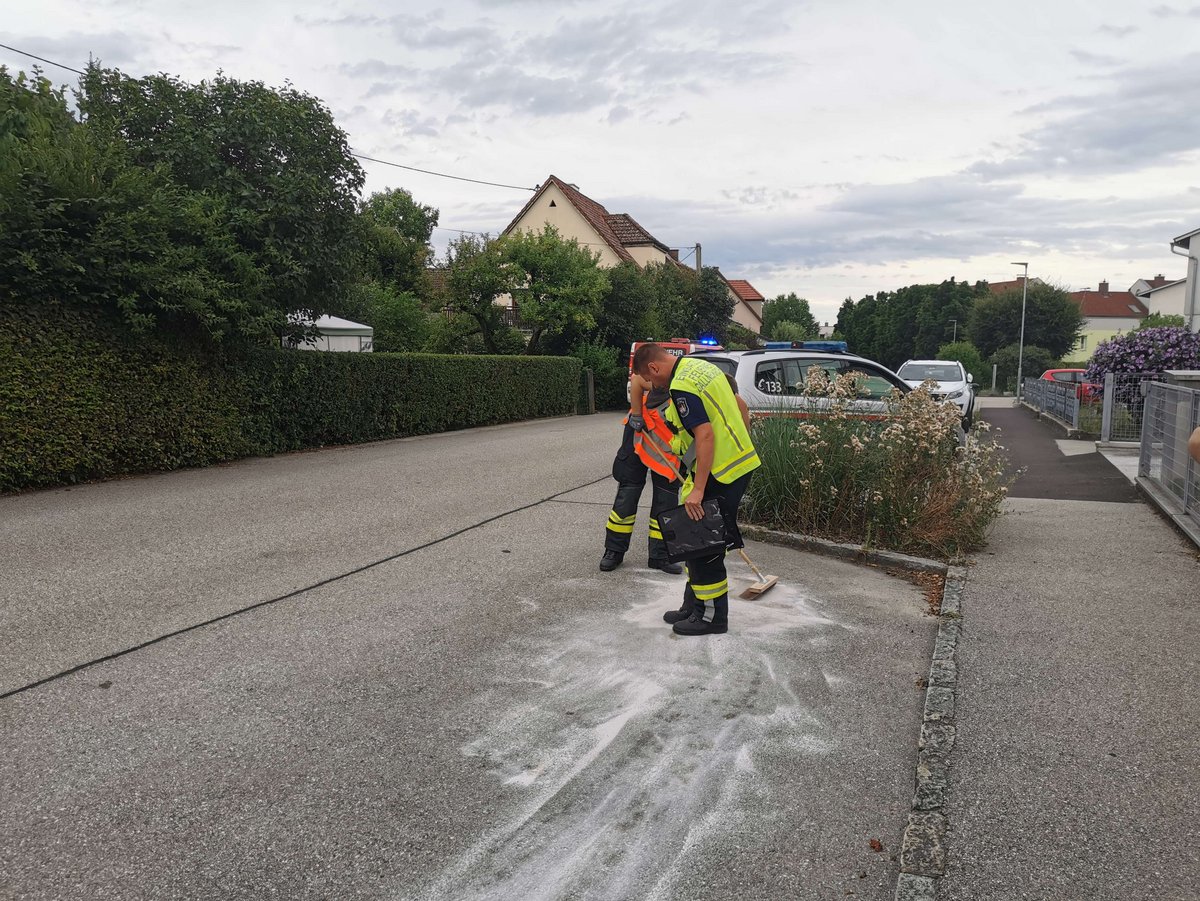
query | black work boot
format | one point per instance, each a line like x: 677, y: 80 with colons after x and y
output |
x: 673, y: 569
x: 688, y: 608
x: 610, y: 561
x: 696, y: 624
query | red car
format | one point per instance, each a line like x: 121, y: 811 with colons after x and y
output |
x: 1083, y: 390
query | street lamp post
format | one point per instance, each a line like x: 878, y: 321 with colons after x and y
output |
x: 1021, y: 340
x: 955, y: 338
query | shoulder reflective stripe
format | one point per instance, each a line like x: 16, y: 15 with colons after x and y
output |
x: 725, y: 419
x: 738, y: 462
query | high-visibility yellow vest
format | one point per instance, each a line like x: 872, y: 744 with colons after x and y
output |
x: 733, y: 451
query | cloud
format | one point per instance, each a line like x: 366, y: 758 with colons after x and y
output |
x: 375, y: 68
x: 1117, y: 31
x: 627, y: 62
x: 111, y: 48
x: 1096, y: 59
x: 618, y: 114
x: 1143, y: 120
x: 411, y: 122
x: 1171, y: 12
x: 953, y: 217
x: 760, y: 196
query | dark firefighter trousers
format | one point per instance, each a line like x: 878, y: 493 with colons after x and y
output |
x: 630, y: 473
x: 707, y: 591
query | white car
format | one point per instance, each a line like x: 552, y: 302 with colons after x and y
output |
x: 954, y: 383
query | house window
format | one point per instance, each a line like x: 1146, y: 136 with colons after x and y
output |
x: 552, y: 203
x: 1083, y: 343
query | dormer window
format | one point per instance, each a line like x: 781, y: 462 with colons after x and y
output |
x: 552, y: 203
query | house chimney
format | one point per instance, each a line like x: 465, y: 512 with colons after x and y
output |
x: 674, y: 252
x: 1104, y: 287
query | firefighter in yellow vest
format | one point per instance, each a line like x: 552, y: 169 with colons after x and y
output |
x: 725, y: 460
x: 629, y: 469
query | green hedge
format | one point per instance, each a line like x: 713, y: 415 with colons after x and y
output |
x: 82, y: 399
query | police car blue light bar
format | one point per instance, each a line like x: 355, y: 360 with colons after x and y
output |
x: 829, y: 347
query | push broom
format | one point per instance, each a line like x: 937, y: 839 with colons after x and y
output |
x: 764, y: 583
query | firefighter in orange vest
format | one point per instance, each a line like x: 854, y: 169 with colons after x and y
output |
x: 629, y: 469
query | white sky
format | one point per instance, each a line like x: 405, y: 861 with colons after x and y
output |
x: 832, y: 148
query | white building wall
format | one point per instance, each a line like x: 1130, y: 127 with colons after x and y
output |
x: 1167, y: 301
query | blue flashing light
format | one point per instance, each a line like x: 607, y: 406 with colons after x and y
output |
x: 707, y: 341
x: 829, y: 347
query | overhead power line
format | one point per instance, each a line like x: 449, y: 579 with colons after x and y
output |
x: 476, y: 181
x: 40, y: 59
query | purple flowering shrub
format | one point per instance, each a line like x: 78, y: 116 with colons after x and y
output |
x: 1149, y: 350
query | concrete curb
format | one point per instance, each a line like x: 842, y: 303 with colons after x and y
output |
x: 923, y: 849
x: 853, y: 552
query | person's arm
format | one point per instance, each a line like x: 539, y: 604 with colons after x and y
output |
x: 1194, y: 445
x: 705, y: 443
x: 638, y: 387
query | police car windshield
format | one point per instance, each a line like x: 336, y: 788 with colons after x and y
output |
x: 918, y: 372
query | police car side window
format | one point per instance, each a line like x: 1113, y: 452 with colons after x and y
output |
x: 769, y: 378
x: 793, y: 376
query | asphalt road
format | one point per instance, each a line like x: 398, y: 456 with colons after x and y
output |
x: 433, y: 702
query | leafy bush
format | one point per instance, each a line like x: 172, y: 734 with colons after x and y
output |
x: 1147, y: 350
x: 902, y: 483
x: 609, y: 375
x: 1035, y: 361
x: 83, y: 398
x: 968, y: 354
x: 1159, y: 320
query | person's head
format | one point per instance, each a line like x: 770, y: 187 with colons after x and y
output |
x: 653, y: 364
x: 732, y: 383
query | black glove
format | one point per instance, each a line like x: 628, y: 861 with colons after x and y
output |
x: 636, y: 422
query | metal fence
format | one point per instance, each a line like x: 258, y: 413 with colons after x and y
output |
x: 1124, y: 402
x: 1172, y: 412
x: 1059, y: 399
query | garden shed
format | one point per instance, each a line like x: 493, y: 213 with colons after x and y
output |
x: 334, y: 333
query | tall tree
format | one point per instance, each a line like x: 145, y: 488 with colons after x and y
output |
x: 396, y: 234
x: 273, y: 157
x: 478, y: 276
x: 559, y: 285
x: 674, y: 288
x: 1052, y: 320
x: 625, y: 307
x: 81, y: 223
x: 713, y: 307
x: 792, y: 309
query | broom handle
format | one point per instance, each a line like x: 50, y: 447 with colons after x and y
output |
x: 751, y: 565
x: 661, y: 455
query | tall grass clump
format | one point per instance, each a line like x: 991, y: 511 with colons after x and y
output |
x: 900, y: 481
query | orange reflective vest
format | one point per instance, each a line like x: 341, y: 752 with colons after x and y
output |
x: 653, y: 445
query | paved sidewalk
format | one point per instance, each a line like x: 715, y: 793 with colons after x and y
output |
x: 1077, y: 769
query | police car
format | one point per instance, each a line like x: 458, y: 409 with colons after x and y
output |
x: 772, y: 379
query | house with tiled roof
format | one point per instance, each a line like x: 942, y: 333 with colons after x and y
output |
x: 614, y: 237
x: 1161, y: 295
x: 749, y: 311
x: 1015, y: 285
x: 1106, y: 314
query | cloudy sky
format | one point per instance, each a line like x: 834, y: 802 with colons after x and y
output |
x: 834, y: 148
